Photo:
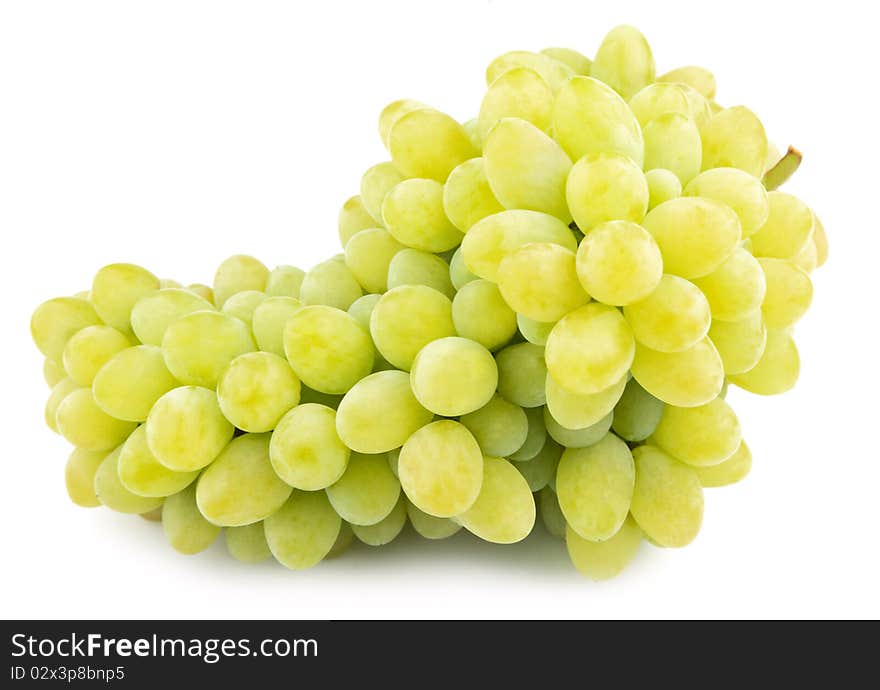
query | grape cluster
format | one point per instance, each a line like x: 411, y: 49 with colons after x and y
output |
x: 539, y: 308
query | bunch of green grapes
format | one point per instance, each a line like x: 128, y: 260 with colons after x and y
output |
x: 541, y: 307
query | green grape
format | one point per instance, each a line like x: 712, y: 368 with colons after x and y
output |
x: 458, y: 272
x: 602, y: 560
x: 327, y: 348
x: 241, y: 486
x: 500, y: 427
x: 701, y: 436
x: 247, y: 543
x: 480, y: 313
x: 579, y: 64
x: 467, y: 196
x: 367, y: 255
x: 687, y: 378
x: 470, y: 128
x: 576, y: 411
x: 303, y: 531
x: 551, y: 71
x: 540, y: 281
x: 415, y: 267
x: 362, y: 309
x: 655, y: 100
x: 526, y: 169
x: 344, y: 540
x: 406, y: 319
x: 606, y: 186
x: 151, y: 315
x: 536, y: 437
x: 453, y: 376
x: 354, y: 217
x: 60, y: 391
x: 285, y: 281
x: 89, y: 349
x: 636, y: 414
x: 427, y: 143
x: 441, y: 468
x: 504, y: 510
x: 142, y: 474
x: 535, y: 332
x: 79, y: 476
x: 540, y: 470
x: 367, y: 491
x: 699, y: 109
x: 740, y: 191
x: 256, y: 390
x: 734, y: 138
x: 667, y: 501
x: 386, y: 530
x: 672, y: 318
x: 242, y: 305
x: 807, y: 258
x: 392, y: 112
x: 590, y: 349
x: 186, y: 429
x: 624, y: 61
x: 778, y: 369
x: 619, y: 263
x: 672, y: 142
x: 199, y: 346
x: 551, y: 514
x: 379, y: 413
x: 330, y: 283
x: 413, y: 213
x: 589, y: 117
x: 732, y: 470
x: 270, y: 318
x: 305, y: 449
x: 55, y: 321
x: 237, y: 274
x: 85, y: 425
x: 375, y: 185
x: 820, y: 239
x: 789, y: 293
x: 393, y: 460
x: 113, y: 494
x: 494, y: 237
x: 186, y: 529
x: 203, y: 291
x: 663, y: 185
x: 698, y: 78
x: 132, y: 381
x: 116, y: 289
x: 740, y: 343
x: 53, y: 372
x: 168, y: 283
x: 521, y: 374
x: 736, y: 288
x: 519, y: 92
x: 577, y: 438
x: 428, y: 526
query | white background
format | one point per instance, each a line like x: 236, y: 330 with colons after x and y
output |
x: 172, y: 134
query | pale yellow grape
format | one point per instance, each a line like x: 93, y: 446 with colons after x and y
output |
x: 453, y: 376
x: 699, y: 109
x: 55, y: 321
x: 386, y: 530
x: 701, y: 436
x: 741, y: 191
x: 551, y: 515
x: 458, y: 272
x: 79, y: 476
x: 789, y: 293
x: 305, y: 449
x: 552, y: 71
x: 413, y: 213
x: 116, y: 289
x: 672, y: 142
x: 521, y: 374
x: 203, y: 291
x: 152, y: 314
x: 480, y: 313
x: 575, y: 411
x: 427, y: 143
x: 185, y: 527
x: 667, y: 500
x: 734, y: 138
x: 521, y: 93
x: 536, y: 332
x: 367, y: 255
x: 89, y: 349
x: 354, y: 217
x: 579, y: 64
x: 327, y: 349
x: 807, y: 258
x: 343, y: 542
x: 415, y: 267
x: 142, y: 474
x: 441, y: 468
x: 186, y: 429
x: 674, y: 317
x: 736, y: 288
x: 392, y: 112
x: 467, y: 196
x: 284, y: 281
x: 504, y: 511
x: 539, y: 470
x: 778, y: 369
x: 820, y: 239
x: 526, y: 169
x: 619, y: 263
x: 500, y: 427
x: 540, y: 281
x: 132, y: 381
x: 471, y: 130
x: 732, y: 470
x: 406, y: 319
x: 366, y: 492
x: 393, y: 460
x: 663, y: 185
x: 362, y: 309
x: 199, y: 346
x: 740, y: 343
x: 695, y: 235
x: 577, y: 438
x: 241, y: 486
x: 788, y: 228
x: 256, y: 390
x: 606, y: 186
x: 624, y: 61
x: 303, y: 531
x: 636, y: 414
x: 154, y: 515
x: 53, y: 372
x: 380, y: 412
x: 536, y: 437
x: 242, y: 305
x: 270, y: 318
x: 658, y: 99
x: 698, y: 78
x: 687, y: 378
x: 169, y: 283
x: 602, y: 560
x: 428, y: 526
x: 590, y: 117
x: 247, y: 543
x: 375, y: 185
x: 590, y: 349
x: 60, y: 391
x: 330, y: 283
x: 84, y: 424
x: 237, y: 274
x: 113, y: 494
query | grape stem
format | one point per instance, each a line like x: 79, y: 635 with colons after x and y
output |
x: 784, y: 168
